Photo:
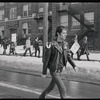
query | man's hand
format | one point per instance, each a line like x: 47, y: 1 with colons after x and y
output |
x: 43, y: 76
x: 76, y: 69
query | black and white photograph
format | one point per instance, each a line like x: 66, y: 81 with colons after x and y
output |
x: 50, y: 50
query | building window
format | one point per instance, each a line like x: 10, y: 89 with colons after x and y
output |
x: 63, y: 3
x: 41, y: 9
x: 24, y: 31
x: 76, y: 3
x: 40, y: 30
x: 75, y: 23
x: 12, y: 3
x: 89, y: 17
x: 27, y: 10
x: 29, y: 28
x: 2, y: 32
x: 26, y: 28
x: 13, y: 12
x: 1, y: 4
x: 1, y: 14
x: 40, y: 26
x: 13, y: 31
x: 64, y: 20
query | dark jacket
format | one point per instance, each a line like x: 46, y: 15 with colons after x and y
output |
x: 56, y: 58
x: 5, y: 44
x: 84, y: 48
x: 36, y: 44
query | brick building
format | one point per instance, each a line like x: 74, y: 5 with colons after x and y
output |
x: 79, y: 18
x: 26, y: 19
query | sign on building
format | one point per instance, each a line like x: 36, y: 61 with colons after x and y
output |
x: 13, y: 37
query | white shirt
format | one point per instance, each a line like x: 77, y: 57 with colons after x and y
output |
x: 28, y: 43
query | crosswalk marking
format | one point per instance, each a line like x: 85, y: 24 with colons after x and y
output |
x: 23, y: 88
x: 26, y: 89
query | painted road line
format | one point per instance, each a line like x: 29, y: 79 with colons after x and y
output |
x: 23, y: 88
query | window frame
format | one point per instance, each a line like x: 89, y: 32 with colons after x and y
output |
x: 64, y: 22
x: 13, y: 13
x: 2, y: 14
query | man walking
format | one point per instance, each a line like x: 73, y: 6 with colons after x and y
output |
x: 28, y: 47
x: 55, y: 59
x: 84, y: 48
x: 12, y: 48
x: 36, y: 46
x: 5, y: 44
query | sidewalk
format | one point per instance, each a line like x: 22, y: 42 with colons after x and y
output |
x: 89, y: 71
x: 19, y: 50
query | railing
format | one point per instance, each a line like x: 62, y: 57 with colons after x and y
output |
x: 87, y: 22
x: 73, y: 13
x: 20, y: 41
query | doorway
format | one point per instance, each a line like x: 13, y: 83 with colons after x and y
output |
x: 13, y: 31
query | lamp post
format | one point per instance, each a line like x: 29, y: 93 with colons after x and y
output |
x: 45, y: 26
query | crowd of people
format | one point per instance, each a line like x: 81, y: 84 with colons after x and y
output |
x: 27, y: 47
x: 83, y: 50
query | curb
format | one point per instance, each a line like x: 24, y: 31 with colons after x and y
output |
x: 34, y: 67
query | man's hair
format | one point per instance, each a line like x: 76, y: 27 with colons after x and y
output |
x: 59, y: 30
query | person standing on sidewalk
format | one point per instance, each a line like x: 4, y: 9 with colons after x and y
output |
x: 55, y: 59
x: 28, y: 47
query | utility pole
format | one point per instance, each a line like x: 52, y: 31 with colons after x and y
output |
x: 45, y: 27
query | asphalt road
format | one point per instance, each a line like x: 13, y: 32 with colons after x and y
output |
x: 19, y: 85
x: 9, y: 90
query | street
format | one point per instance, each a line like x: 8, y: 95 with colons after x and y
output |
x: 10, y: 91
x: 33, y: 26
x: 18, y: 85
x: 15, y: 85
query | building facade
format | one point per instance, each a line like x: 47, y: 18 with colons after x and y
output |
x: 77, y: 17
x: 26, y: 19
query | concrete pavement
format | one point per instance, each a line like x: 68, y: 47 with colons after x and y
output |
x: 89, y: 71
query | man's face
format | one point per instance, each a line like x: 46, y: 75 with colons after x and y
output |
x: 63, y: 34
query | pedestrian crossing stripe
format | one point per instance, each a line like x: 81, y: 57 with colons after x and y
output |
x: 23, y: 88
